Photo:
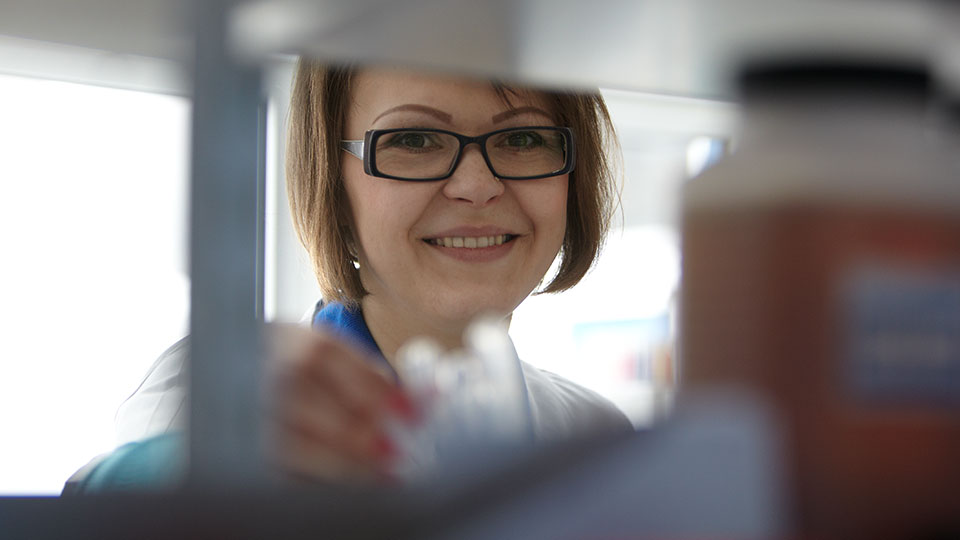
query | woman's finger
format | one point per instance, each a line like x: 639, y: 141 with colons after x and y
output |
x: 302, y: 454
x: 327, y: 407
x: 355, y: 379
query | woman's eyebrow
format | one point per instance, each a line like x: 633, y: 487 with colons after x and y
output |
x: 440, y: 115
x: 500, y: 117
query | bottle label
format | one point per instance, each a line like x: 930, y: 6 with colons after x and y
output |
x: 903, y: 335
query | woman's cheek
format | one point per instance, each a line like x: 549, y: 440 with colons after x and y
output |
x: 548, y: 207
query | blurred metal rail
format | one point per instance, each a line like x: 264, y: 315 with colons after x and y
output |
x: 226, y: 260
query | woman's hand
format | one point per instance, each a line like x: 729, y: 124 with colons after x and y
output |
x: 327, y: 405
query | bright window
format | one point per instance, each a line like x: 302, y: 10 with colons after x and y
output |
x: 94, y: 282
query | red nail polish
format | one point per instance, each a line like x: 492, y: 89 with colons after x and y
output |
x: 400, y: 404
x: 383, y: 448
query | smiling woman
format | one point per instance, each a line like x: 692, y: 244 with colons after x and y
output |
x: 414, y: 286
x: 465, y: 193
x: 550, y: 212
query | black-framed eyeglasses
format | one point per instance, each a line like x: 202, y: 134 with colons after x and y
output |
x: 423, y: 154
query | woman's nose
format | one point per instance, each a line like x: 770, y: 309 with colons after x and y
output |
x: 473, y: 181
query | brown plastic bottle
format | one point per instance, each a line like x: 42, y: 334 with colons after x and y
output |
x: 952, y: 135
x: 821, y: 268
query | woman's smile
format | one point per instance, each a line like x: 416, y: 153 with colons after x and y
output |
x: 473, y: 244
x: 470, y: 242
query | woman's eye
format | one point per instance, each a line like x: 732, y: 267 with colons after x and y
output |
x: 523, y: 139
x: 413, y: 141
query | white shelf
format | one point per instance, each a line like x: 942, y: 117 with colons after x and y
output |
x: 676, y: 47
x: 152, y: 28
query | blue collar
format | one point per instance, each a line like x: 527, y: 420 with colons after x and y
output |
x: 349, y: 324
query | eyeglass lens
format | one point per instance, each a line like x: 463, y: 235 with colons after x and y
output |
x: 428, y: 154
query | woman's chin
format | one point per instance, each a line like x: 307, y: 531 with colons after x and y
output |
x: 465, y: 311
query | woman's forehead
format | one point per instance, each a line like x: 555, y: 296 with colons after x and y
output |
x: 375, y: 90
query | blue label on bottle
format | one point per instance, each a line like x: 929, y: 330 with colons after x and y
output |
x: 903, y: 335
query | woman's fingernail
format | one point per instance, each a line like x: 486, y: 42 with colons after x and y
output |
x: 383, y: 448
x: 399, y: 403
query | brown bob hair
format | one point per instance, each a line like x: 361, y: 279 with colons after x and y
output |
x: 321, y: 211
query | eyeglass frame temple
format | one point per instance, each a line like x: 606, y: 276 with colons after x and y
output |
x: 355, y: 148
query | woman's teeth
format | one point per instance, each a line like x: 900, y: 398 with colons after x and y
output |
x: 471, y: 242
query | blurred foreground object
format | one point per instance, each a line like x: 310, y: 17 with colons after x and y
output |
x: 821, y: 267
x: 952, y: 138
x: 674, y: 47
x: 473, y: 401
x: 713, y: 470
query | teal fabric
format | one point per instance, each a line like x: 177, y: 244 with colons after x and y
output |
x: 154, y: 464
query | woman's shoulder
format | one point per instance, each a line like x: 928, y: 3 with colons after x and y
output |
x: 561, y: 408
x: 158, y: 405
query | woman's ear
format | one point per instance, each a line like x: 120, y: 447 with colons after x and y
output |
x: 353, y: 253
x: 347, y: 228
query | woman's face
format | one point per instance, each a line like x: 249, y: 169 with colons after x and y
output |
x: 399, y: 224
